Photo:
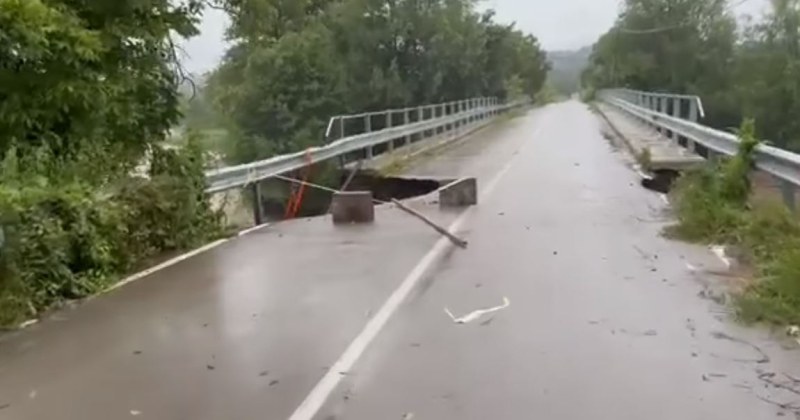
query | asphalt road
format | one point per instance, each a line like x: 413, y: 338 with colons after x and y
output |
x: 604, y: 318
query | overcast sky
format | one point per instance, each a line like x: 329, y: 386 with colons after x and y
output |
x: 559, y: 25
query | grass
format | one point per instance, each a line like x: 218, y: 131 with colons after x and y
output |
x: 714, y: 206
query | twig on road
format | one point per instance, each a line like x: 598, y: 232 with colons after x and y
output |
x: 453, y: 238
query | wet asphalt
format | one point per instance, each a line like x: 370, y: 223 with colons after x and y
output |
x: 607, y: 319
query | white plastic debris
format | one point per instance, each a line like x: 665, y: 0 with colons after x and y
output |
x: 472, y: 316
x: 721, y: 253
x: 793, y: 331
x: 135, y: 413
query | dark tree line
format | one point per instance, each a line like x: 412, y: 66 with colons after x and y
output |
x: 748, y: 70
x: 292, y: 65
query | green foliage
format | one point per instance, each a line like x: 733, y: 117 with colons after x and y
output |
x: 713, y: 205
x: 69, y: 239
x: 293, y: 66
x: 692, y: 47
x: 78, y: 75
x: 88, y: 92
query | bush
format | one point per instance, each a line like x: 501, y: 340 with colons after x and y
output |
x: 67, y: 239
x: 713, y: 206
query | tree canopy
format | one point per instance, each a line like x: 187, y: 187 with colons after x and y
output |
x: 292, y: 65
x: 696, y: 47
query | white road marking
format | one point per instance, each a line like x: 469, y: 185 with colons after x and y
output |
x: 253, y: 229
x: 164, y: 265
x: 323, y: 389
x: 179, y: 258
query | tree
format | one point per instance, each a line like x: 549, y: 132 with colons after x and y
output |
x: 768, y: 74
x: 682, y: 46
x: 87, y: 77
x: 298, y: 65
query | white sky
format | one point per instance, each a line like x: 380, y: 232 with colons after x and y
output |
x: 559, y: 25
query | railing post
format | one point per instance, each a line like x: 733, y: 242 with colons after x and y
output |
x: 693, y: 114
x: 406, y: 120
x: 420, y: 118
x: 389, y: 125
x: 789, y: 195
x: 443, y: 113
x: 676, y: 112
x: 368, y: 129
x: 663, y: 102
x: 258, y: 215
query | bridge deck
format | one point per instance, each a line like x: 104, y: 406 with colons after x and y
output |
x: 664, y: 153
x: 604, y: 318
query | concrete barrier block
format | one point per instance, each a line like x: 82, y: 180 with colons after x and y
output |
x: 461, y: 193
x: 352, y: 207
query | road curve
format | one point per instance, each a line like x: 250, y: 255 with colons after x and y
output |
x: 604, y: 317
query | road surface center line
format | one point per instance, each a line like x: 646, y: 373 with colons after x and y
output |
x: 325, y: 387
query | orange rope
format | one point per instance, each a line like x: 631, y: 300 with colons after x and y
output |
x: 296, y: 196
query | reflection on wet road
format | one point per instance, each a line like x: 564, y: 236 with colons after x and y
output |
x: 572, y: 306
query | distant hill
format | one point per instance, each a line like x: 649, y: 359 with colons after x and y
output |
x: 567, y: 66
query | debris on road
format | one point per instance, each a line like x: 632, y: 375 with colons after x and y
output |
x: 32, y: 394
x: 274, y: 382
x: 453, y: 238
x: 721, y: 253
x: 4, y: 406
x: 136, y: 413
x: 408, y: 416
x: 722, y: 336
x: 472, y: 316
x: 793, y: 331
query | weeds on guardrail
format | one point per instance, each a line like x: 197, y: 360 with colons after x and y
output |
x: 713, y: 205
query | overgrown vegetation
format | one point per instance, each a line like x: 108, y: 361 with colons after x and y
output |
x: 740, y: 69
x: 292, y: 65
x: 714, y: 206
x: 88, y: 92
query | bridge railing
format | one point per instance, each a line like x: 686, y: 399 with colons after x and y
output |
x: 428, y: 121
x: 675, y: 116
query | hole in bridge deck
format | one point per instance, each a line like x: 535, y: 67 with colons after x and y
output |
x: 275, y: 192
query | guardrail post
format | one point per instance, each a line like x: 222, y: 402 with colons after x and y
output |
x: 258, y: 215
x: 406, y: 120
x: 676, y: 112
x: 420, y: 118
x: 789, y: 194
x: 389, y: 125
x: 693, y: 114
x: 368, y: 129
x: 443, y: 113
x: 342, y: 158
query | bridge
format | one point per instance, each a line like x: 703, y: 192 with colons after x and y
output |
x: 568, y: 302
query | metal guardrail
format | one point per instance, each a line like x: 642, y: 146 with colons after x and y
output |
x: 666, y: 113
x: 453, y: 116
x: 342, y: 126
